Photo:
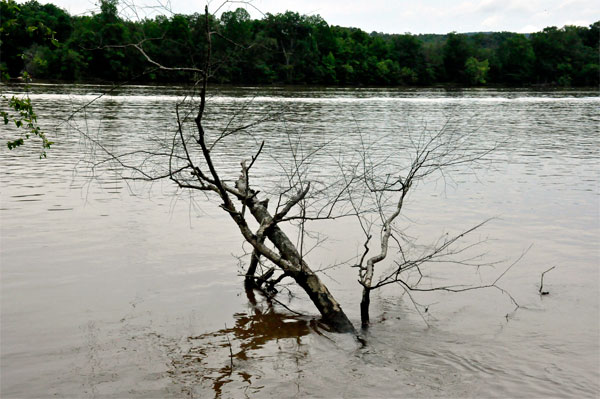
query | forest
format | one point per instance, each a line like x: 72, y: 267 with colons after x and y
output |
x: 44, y: 42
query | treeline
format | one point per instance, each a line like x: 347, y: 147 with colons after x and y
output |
x: 47, y: 43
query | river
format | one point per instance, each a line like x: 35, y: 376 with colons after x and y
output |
x: 114, y: 289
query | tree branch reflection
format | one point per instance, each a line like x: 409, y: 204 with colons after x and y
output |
x: 229, y: 357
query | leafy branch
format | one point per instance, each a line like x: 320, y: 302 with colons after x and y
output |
x: 24, y: 117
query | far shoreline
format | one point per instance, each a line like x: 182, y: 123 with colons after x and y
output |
x: 446, y: 86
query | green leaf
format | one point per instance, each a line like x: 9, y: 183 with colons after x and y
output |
x: 15, y: 143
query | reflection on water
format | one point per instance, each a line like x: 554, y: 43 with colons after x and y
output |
x: 115, y: 289
x: 231, y: 357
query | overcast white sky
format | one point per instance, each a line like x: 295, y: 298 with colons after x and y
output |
x: 400, y: 16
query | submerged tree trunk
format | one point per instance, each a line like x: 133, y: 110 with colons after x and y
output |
x: 364, y: 307
x: 330, y: 309
x: 249, y: 279
x: 332, y: 313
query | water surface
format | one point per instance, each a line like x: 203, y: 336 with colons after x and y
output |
x: 116, y: 289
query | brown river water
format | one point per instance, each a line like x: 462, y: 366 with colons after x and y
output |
x: 113, y: 289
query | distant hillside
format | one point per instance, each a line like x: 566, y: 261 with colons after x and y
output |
x: 46, y: 42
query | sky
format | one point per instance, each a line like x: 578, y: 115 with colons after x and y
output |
x: 399, y: 16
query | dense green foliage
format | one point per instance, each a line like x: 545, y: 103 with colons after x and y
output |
x: 285, y: 48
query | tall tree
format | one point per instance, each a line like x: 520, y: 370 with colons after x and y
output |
x: 516, y: 60
x: 456, y: 51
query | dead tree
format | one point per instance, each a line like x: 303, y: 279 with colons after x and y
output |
x: 191, y: 161
x: 190, y: 165
x: 385, y: 187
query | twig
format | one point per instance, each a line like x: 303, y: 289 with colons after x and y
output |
x: 541, y: 290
